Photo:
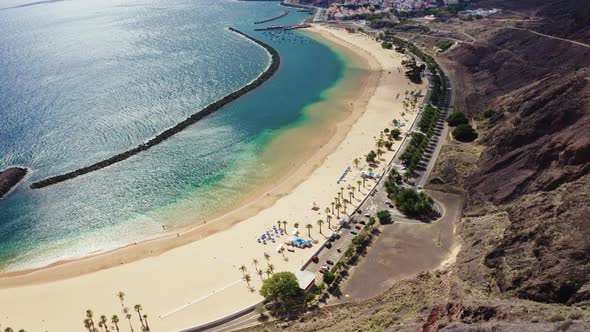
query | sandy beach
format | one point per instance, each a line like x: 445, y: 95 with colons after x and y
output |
x: 191, y: 278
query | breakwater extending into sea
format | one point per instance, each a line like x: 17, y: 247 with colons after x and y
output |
x: 267, y: 74
x: 283, y: 14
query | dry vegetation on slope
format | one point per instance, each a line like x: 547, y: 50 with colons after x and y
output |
x: 524, y: 262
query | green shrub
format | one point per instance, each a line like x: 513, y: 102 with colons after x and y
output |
x: 576, y: 315
x: 445, y: 45
x: 489, y: 113
x: 457, y: 118
x: 395, y: 133
x: 464, y: 133
x: 556, y: 318
x: 387, y: 45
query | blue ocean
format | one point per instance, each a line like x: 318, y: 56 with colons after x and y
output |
x: 82, y: 80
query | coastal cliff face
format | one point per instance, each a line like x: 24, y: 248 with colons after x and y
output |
x: 9, y: 178
x: 528, y: 198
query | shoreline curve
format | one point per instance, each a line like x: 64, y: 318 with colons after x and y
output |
x: 166, y: 134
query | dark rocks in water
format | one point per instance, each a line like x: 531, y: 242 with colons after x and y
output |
x: 161, y: 137
x: 9, y: 178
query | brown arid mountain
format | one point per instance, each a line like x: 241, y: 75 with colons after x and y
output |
x: 524, y: 263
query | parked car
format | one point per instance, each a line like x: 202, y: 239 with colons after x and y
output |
x: 362, y: 222
x: 353, y: 232
x: 358, y: 227
x: 315, y: 259
x: 359, y: 211
x: 324, y: 269
x: 330, y: 262
x: 328, y: 244
x: 367, y: 215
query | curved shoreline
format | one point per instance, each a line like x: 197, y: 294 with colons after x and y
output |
x: 263, y: 198
x: 166, y: 134
x: 283, y: 14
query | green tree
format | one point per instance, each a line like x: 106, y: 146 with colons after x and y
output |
x: 282, y: 286
x: 138, y: 309
x: 384, y: 217
x: 371, y: 157
x: 329, y: 277
x: 89, y: 315
x: 147, y: 326
x: 457, y: 118
x: 464, y: 133
x: 115, y: 321
x: 103, y: 321
x: 121, y: 297
x: 320, y: 222
x: 309, y: 227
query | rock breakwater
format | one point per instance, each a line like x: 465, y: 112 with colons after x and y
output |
x: 166, y: 134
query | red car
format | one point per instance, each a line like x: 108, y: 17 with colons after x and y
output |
x: 358, y: 227
x: 315, y: 259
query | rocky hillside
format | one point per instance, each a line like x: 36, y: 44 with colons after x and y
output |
x: 529, y: 198
x: 524, y: 263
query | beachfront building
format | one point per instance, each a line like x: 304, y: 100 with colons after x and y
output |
x: 305, y: 279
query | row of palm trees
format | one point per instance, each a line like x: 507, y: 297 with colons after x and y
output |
x: 102, y: 324
x: 270, y: 269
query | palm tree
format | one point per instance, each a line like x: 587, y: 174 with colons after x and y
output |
x: 247, y: 279
x: 296, y: 225
x: 341, y: 191
x: 271, y: 268
x: 268, y: 273
x: 89, y: 315
x: 128, y: 316
x: 22, y: 330
x: 353, y: 189
x: 243, y: 268
x: 103, y: 321
x: 147, y: 327
x: 327, y: 210
x: 115, y: 320
x: 345, y: 204
x: 364, y: 179
x: 285, y: 225
x: 255, y: 263
x: 138, y: 308
x: 121, y: 296
x: 282, y: 251
x: 87, y: 324
x: 328, y: 218
x: 350, y: 195
x: 267, y: 257
x: 8, y: 329
x: 309, y: 227
x: 260, y: 273
x: 333, y: 207
x: 359, y: 184
x: 356, y: 162
x: 320, y: 222
x: 279, y: 223
x: 338, y: 206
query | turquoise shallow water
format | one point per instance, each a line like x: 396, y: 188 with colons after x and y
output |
x: 83, y: 80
